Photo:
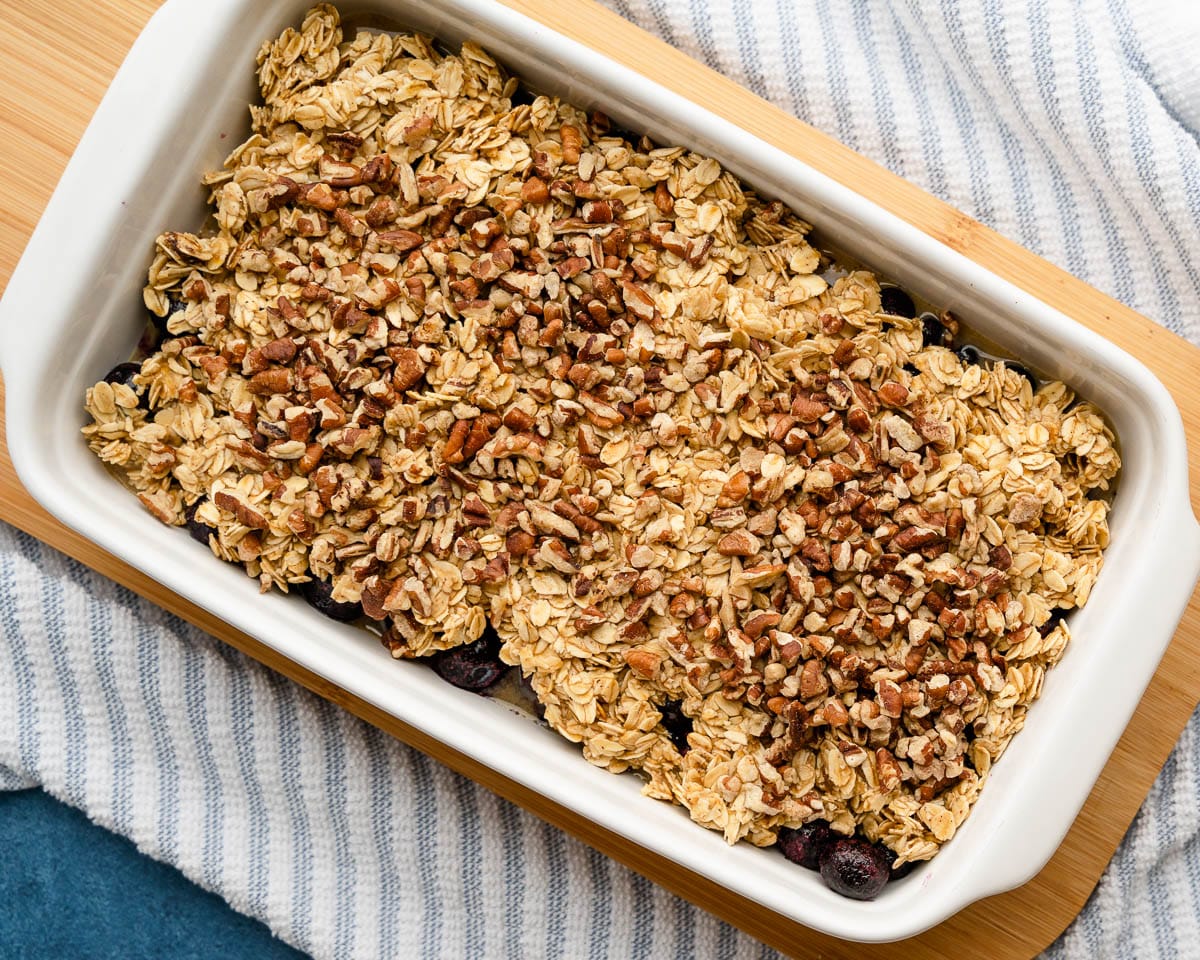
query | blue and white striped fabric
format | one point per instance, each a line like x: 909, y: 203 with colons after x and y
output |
x: 1069, y: 126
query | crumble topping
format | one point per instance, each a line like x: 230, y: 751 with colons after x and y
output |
x: 476, y: 360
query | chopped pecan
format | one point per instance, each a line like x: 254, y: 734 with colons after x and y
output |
x: 740, y: 543
x: 278, y: 380
x: 408, y: 368
x: 246, y: 515
x: 644, y: 663
x: 400, y: 241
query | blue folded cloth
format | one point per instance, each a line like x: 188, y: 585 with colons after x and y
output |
x: 88, y: 894
x: 1070, y: 127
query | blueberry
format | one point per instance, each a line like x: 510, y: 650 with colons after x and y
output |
x: 198, y: 529
x: 535, y: 705
x: 677, y: 724
x: 319, y: 594
x: 806, y: 844
x: 1022, y: 372
x: 174, y: 305
x: 1056, y: 617
x: 969, y: 355
x: 934, y: 332
x: 522, y: 96
x: 895, y: 301
x: 124, y: 373
x: 855, y: 868
x: 972, y: 355
x: 895, y: 872
x: 474, y: 666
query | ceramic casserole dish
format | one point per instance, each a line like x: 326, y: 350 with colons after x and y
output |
x: 73, y: 308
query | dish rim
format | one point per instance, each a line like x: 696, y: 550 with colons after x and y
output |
x: 36, y: 465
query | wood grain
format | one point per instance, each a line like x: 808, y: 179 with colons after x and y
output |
x: 59, y: 55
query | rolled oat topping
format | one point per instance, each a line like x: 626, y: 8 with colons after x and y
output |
x: 472, y: 362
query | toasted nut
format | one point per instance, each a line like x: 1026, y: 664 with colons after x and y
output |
x: 517, y: 419
x: 663, y: 199
x: 812, y: 680
x: 735, y: 489
x: 312, y: 457
x: 519, y: 543
x: 644, y: 663
x: 453, y: 452
x: 807, y: 410
x: 534, y: 190
x: 400, y: 241
x: 572, y: 141
x: 637, y: 301
x: 893, y: 394
x: 409, y: 368
x: 598, y: 211
x: 270, y: 381
x: 246, y: 515
x: 740, y: 543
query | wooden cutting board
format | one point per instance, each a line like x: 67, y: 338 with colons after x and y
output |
x: 58, y: 56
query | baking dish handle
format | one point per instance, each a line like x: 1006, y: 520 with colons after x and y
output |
x: 1007, y: 868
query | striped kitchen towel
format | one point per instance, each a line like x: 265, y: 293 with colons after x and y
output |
x: 1069, y: 126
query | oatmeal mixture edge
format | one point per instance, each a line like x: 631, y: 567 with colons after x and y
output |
x: 473, y: 359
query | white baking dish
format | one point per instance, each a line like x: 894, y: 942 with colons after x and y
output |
x: 73, y: 309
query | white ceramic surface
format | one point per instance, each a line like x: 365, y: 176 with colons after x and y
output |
x: 73, y: 309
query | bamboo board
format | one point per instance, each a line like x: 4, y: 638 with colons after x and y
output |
x: 58, y: 57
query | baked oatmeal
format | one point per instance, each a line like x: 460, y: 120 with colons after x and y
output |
x: 458, y: 359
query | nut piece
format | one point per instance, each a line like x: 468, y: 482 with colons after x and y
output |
x: 644, y: 663
x: 400, y: 241
x: 534, y: 190
x: 571, y: 143
x: 246, y: 515
x: 1023, y: 508
x: 740, y: 543
x: 409, y: 368
x: 273, y: 381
